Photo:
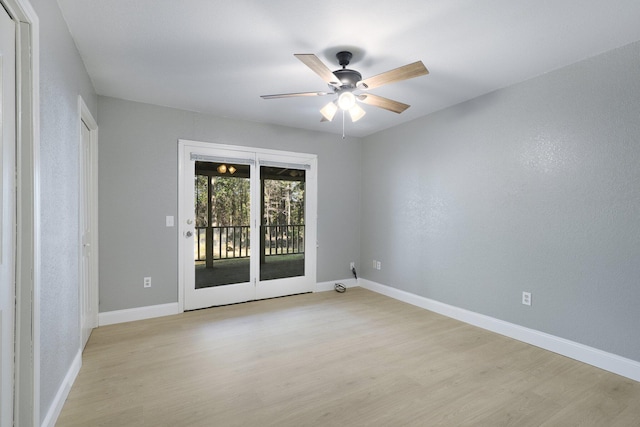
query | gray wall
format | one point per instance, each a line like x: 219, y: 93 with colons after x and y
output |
x: 138, y: 178
x: 62, y: 79
x: 535, y: 187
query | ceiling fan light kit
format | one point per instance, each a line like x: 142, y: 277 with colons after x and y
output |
x: 356, y: 112
x: 328, y: 111
x: 346, y: 100
x: 344, y: 82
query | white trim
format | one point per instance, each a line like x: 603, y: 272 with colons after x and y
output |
x: 242, y: 149
x: 592, y: 356
x: 85, y: 116
x: 330, y: 286
x: 149, y: 312
x: 30, y: 110
x: 37, y: 248
x: 181, y: 214
x: 63, y: 392
x: 139, y: 313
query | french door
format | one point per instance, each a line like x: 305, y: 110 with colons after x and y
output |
x: 247, y: 224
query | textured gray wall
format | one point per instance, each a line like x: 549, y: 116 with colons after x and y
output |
x: 138, y: 179
x: 535, y: 187
x: 62, y: 79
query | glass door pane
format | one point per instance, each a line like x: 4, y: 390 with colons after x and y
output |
x: 282, y: 230
x: 222, y: 244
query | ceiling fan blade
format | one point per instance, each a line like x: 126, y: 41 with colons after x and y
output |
x: 318, y: 67
x: 291, y: 95
x: 408, y: 71
x: 386, y: 103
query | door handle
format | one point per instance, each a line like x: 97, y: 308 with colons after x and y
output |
x: 188, y: 234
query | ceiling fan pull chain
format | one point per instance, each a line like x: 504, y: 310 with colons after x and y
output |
x: 343, y: 124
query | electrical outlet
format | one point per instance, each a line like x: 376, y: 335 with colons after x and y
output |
x: 352, y: 265
x: 378, y: 265
x: 147, y: 282
x: 526, y: 298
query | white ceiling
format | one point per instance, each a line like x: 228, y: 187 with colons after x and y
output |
x: 218, y: 57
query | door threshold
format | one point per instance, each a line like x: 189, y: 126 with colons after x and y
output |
x: 247, y: 302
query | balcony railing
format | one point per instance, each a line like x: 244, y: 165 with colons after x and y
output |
x: 226, y: 242
x: 216, y: 243
x: 283, y: 239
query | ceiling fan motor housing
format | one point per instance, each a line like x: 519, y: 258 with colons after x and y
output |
x: 348, y: 78
x: 343, y: 58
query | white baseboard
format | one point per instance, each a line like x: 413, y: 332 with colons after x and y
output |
x: 149, y: 312
x: 592, y: 356
x: 330, y: 286
x: 139, y: 313
x: 61, y: 396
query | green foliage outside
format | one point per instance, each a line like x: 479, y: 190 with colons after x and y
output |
x: 284, y: 202
x: 230, y: 199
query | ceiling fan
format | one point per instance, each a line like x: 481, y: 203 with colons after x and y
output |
x: 348, y: 85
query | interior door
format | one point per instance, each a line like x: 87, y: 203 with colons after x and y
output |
x: 239, y: 243
x: 88, y: 285
x: 7, y: 215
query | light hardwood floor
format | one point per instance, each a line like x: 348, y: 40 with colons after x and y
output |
x: 329, y: 359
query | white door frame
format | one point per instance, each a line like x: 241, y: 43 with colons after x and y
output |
x: 27, y: 347
x: 88, y: 291
x: 8, y: 166
x: 185, y: 212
